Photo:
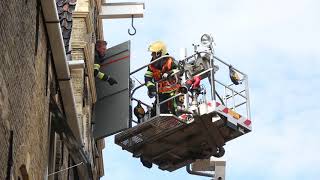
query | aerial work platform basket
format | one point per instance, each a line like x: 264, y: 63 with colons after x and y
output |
x: 171, y: 141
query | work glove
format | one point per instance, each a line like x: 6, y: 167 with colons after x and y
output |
x: 111, y: 81
x: 166, y: 75
x: 152, y: 92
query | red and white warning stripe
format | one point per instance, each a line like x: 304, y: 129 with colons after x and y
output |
x: 233, y: 116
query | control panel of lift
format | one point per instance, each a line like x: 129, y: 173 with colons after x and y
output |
x: 205, y: 122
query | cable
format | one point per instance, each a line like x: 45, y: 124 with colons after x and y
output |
x: 65, y: 169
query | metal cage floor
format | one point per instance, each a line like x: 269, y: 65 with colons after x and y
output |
x: 172, y: 143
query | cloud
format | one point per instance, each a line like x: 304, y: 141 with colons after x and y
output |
x: 285, y: 148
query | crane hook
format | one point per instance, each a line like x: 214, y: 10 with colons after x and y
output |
x: 135, y: 31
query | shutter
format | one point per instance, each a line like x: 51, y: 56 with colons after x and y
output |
x: 111, y: 113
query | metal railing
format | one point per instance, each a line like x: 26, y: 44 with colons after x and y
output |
x: 243, y: 93
x: 156, y: 84
x: 231, y: 92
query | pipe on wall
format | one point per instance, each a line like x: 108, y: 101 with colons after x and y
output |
x: 60, y: 62
x: 63, y: 76
x: 188, y: 168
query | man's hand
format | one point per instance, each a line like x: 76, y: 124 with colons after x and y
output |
x: 152, y: 92
x: 165, y: 75
x: 111, y: 81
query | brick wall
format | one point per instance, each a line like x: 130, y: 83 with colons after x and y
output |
x: 23, y: 100
x: 79, y: 30
x: 77, y: 84
x: 83, y: 34
x: 26, y: 77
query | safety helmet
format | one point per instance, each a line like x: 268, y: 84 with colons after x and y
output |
x: 158, y: 47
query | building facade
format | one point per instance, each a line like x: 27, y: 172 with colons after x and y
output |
x: 47, y: 90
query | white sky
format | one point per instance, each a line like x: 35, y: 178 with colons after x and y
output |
x: 276, y: 42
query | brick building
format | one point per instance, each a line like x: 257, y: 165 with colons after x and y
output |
x: 47, y: 90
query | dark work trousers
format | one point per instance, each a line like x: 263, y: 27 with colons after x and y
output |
x: 165, y: 108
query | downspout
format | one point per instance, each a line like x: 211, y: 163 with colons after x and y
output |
x: 60, y: 62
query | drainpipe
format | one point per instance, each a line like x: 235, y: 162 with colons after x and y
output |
x: 60, y: 62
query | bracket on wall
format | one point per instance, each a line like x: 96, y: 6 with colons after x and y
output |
x: 122, y: 10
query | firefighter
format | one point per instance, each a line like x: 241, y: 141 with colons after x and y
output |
x: 162, y: 70
x: 100, y: 56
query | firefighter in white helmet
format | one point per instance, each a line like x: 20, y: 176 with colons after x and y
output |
x: 162, y: 70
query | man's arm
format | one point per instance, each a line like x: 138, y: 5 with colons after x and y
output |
x: 148, y: 79
x: 174, y: 69
x: 102, y: 76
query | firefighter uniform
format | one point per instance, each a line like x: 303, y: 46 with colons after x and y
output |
x: 160, y: 72
x: 100, y: 57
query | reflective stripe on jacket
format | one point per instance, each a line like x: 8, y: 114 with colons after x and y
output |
x: 165, y: 86
x: 97, y: 72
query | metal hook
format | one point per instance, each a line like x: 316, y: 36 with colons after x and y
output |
x: 135, y: 31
